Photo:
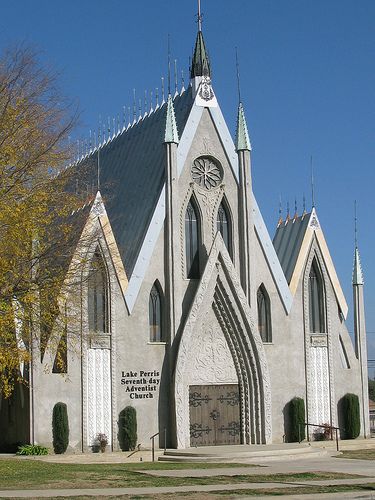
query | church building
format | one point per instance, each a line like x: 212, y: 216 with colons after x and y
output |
x: 187, y: 310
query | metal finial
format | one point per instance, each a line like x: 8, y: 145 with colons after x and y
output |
x: 100, y: 130
x: 113, y: 126
x: 287, y: 212
x: 169, y: 65
x: 151, y: 101
x: 175, y: 77
x: 157, y: 97
x: 162, y: 91
x: 139, y: 108
x: 98, y: 169
x: 199, y: 16
x: 129, y: 116
x: 123, y: 117
x: 109, y: 127
x: 355, y: 223
x: 94, y: 135
x: 182, y: 81
x: 238, y: 77
x: 280, y: 212
x: 295, y: 205
x: 134, y: 108
x: 312, y: 183
x: 90, y: 140
x: 145, y: 104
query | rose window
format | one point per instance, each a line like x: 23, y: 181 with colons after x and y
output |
x: 206, y: 172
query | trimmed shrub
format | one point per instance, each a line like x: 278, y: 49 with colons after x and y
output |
x: 352, y: 421
x: 60, y: 428
x: 296, y: 420
x: 127, y: 434
x: 32, y: 449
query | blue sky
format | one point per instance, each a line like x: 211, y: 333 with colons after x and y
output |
x: 307, y: 81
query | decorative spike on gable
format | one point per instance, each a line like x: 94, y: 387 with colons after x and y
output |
x: 242, y: 134
x: 171, y: 133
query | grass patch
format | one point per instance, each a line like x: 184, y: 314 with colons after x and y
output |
x: 36, y: 474
x: 358, y: 454
x: 218, y: 495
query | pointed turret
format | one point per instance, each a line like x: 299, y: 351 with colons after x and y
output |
x: 171, y: 132
x: 200, y: 65
x: 357, y: 269
x: 242, y: 134
x: 360, y: 338
x: 243, y: 148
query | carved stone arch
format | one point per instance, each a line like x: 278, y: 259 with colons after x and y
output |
x: 318, y: 349
x: 220, y: 291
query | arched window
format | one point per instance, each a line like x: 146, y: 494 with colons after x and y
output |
x: 192, y: 240
x: 155, y: 312
x: 316, y: 299
x: 98, y: 295
x: 264, y: 314
x: 223, y: 224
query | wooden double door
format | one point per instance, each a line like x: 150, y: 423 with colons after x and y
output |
x: 214, y: 415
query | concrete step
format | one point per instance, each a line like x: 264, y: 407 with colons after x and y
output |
x: 245, y: 453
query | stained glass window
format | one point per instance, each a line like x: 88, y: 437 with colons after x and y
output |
x: 316, y: 299
x: 192, y: 240
x: 155, y: 314
x: 264, y: 314
x: 98, y: 295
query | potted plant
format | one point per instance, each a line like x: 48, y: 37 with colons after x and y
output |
x: 102, y: 440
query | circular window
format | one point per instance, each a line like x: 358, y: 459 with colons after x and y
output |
x: 207, y: 172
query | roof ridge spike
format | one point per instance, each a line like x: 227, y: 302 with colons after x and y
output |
x: 357, y: 269
x: 242, y: 134
x: 171, y: 132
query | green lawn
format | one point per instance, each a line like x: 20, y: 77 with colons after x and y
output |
x: 34, y: 474
x: 220, y: 495
x: 358, y: 454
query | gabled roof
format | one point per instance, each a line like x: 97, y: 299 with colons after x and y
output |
x: 292, y: 243
x: 288, y: 240
x: 132, y: 175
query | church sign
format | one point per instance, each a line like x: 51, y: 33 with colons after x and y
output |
x: 142, y: 384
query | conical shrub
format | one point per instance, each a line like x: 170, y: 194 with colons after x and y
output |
x: 60, y: 428
x: 352, y: 420
x: 127, y: 434
x: 296, y: 420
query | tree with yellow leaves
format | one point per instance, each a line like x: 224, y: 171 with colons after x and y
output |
x: 36, y: 227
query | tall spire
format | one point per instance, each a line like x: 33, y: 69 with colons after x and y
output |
x: 242, y: 134
x: 171, y: 133
x: 357, y: 268
x: 200, y: 65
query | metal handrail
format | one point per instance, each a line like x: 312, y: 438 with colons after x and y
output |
x: 153, y: 443
x: 330, y: 427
